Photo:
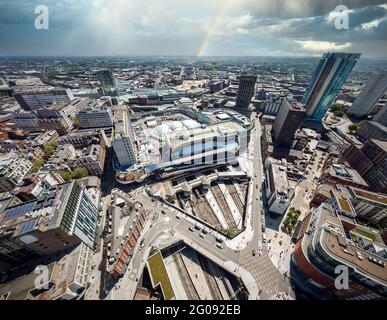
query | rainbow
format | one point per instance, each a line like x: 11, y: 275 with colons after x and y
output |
x: 208, y: 35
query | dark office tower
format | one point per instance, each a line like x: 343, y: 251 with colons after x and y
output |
x: 108, y: 82
x: 370, y: 95
x: 381, y: 116
x: 331, y: 73
x: 245, y: 91
x: 289, y: 118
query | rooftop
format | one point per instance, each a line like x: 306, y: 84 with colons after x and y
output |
x: 370, y: 196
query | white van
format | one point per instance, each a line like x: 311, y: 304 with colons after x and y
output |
x: 264, y: 238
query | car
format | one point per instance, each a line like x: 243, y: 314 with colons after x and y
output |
x: 253, y: 253
x: 142, y: 244
x: 263, y: 218
x: 202, y: 235
x: 163, y: 212
x: 219, y: 245
x: 220, y: 240
x: 264, y: 238
x: 178, y: 216
x: 197, y: 227
x: 191, y: 229
x: 205, y: 231
x: 263, y: 228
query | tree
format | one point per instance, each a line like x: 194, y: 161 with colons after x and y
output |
x: 66, y: 176
x: 37, y: 164
x: 339, y: 110
x: 76, y: 122
x: 49, y: 149
x: 79, y: 173
x: 352, y: 128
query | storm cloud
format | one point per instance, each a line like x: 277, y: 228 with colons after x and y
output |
x: 190, y: 27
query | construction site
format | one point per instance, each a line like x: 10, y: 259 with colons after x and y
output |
x: 178, y: 272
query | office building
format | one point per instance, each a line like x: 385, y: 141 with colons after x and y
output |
x: 13, y: 168
x: 340, y: 174
x: 57, y: 118
x: 278, y: 192
x: 370, y: 95
x: 381, y: 116
x: 330, y: 241
x: 369, y: 205
x: 372, y: 130
x: 289, y: 117
x: 37, y: 99
x: 123, y: 144
x: 45, y: 138
x: 92, y: 158
x: 61, y: 218
x: 331, y: 73
x: 245, y: 91
x: 81, y: 140
x: 109, y: 83
x: 67, y: 279
x: 95, y: 118
x: 50, y: 119
x: 371, y: 163
x: 26, y: 121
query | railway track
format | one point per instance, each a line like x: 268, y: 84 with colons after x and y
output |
x: 185, y: 278
x: 235, y: 196
x: 212, y: 283
x: 224, y: 206
x: 204, y: 210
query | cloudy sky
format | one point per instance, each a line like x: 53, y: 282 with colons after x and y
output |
x: 193, y: 27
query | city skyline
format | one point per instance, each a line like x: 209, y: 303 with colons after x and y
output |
x: 216, y: 28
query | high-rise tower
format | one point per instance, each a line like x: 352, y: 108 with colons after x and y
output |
x: 331, y: 73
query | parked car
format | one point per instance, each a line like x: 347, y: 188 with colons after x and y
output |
x: 202, y: 235
x: 219, y: 245
x: 191, y: 229
x: 254, y: 253
x: 220, y: 240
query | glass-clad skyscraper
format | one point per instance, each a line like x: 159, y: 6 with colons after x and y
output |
x: 109, y: 83
x: 331, y: 73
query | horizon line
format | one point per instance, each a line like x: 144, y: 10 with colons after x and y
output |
x: 168, y: 55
